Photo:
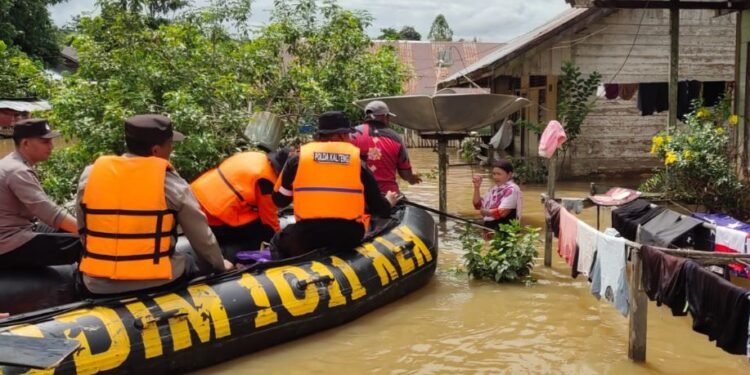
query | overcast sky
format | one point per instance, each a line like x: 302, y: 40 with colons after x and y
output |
x: 488, y: 20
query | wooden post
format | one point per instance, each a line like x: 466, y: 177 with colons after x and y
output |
x: 638, y: 311
x: 551, y: 177
x: 443, y: 175
x: 674, y: 58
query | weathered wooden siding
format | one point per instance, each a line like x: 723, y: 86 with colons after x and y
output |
x: 615, y: 138
x: 707, y: 46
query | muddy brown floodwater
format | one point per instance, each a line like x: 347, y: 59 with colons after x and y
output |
x: 456, y: 325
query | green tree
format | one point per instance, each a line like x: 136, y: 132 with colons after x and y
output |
x: 440, y: 31
x: 26, y: 24
x: 332, y: 64
x: 574, y: 102
x: 389, y: 33
x: 409, y: 33
x: 21, y: 77
x: 307, y: 60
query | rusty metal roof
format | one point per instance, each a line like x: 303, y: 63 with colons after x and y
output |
x: 562, y: 22
x: 422, y: 57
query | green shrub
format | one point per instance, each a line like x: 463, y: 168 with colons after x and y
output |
x: 529, y: 170
x: 507, y: 257
x: 698, y: 163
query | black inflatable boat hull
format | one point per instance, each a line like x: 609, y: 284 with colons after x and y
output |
x: 211, y: 322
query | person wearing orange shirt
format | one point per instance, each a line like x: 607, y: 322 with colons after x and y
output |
x: 237, y: 198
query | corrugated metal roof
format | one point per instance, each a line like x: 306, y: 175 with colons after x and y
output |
x: 422, y: 57
x: 553, y: 27
x: 25, y: 106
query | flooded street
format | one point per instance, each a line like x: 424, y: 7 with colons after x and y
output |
x: 455, y: 325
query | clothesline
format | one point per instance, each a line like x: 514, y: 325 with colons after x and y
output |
x: 721, y: 258
x: 704, y: 291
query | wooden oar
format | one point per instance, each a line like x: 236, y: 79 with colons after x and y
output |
x: 35, y: 352
x: 457, y: 218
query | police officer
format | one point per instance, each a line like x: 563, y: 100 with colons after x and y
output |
x: 29, y: 220
x: 331, y: 188
x: 128, y: 209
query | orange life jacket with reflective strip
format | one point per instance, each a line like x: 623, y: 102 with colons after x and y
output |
x: 127, y: 225
x: 328, y: 184
x: 227, y: 193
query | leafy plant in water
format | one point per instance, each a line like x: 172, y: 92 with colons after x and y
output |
x: 507, y: 257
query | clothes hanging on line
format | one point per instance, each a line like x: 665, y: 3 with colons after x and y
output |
x: 719, y: 308
x: 663, y: 279
x: 552, y: 138
x: 609, y: 274
x: 722, y: 220
x: 728, y: 240
x: 683, y: 99
x: 552, y: 215
x: 611, y: 91
x: 628, y: 217
x: 628, y: 90
x: 586, y: 238
x: 666, y: 229
x: 713, y: 92
x: 567, y: 240
x: 647, y: 97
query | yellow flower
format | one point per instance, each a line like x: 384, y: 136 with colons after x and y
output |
x: 656, y: 142
x: 671, y: 158
x: 734, y: 120
x: 687, y: 155
x: 703, y: 113
x: 719, y: 131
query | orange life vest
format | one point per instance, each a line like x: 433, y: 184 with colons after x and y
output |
x: 227, y: 193
x: 127, y: 225
x: 328, y: 184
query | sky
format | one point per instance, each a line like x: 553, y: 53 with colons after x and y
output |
x: 487, y: 20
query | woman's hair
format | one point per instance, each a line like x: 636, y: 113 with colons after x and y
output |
x: 504, y: 165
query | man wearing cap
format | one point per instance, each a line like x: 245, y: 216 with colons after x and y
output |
x: 24, y: 242
x: 331, y: 188
x: 236, y: 198
x: 383, y: 148
x: 128, y: 210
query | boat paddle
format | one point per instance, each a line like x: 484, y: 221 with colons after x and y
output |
x: 454, y: 217
x: 35, y: 352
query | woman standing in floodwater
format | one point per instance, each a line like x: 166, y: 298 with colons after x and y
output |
x: 502, y: 202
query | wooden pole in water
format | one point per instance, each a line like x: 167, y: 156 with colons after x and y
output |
x: 551, y: 177
x: 443, y: 175
x: 638, y: 311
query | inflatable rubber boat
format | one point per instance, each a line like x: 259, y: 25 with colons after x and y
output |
x: 214, y: 319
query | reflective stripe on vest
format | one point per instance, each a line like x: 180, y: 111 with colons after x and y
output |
x: 227, y: 193
x: 128, y: 228
x: 328, y: 184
